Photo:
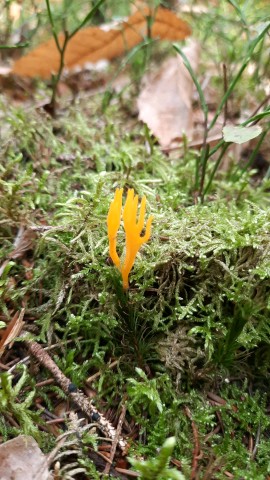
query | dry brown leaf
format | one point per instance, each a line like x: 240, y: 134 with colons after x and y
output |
x: 165, y: 102
x: 12, y: 331
x: 22, y: 459
x: 94, y: 43
x: 23, y: 242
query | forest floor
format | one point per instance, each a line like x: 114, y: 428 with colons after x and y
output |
x: 102, y: 374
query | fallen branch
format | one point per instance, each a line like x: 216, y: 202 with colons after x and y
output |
x: 76, y: 395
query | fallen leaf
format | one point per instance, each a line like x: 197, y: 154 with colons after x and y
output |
x: 22, y: 243
x: 237, y: 134
x: 165, y: 102
x: 21, y: 459
x: 12, y: 331
x: 92, y: 44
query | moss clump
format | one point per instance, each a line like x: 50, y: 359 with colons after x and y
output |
x: 197, y: 312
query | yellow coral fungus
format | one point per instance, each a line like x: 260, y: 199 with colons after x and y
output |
x: 113, y: 222
x: 133, y: 230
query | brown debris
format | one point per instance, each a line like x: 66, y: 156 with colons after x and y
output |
x: 92, y: 44
x: 20, y: 455
x: 12, y: 331
x: 165, y: 102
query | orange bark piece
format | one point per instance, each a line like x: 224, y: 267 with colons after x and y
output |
x: 94, y: 43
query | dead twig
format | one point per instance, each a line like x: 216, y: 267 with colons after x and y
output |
x: 91, y: 379
x: 196, y: 454
x: 128, y: 473
x: 75, y: 394
x: 258, y: 108
x: 25, y: 360
x: 116, y: 438
x: 256, y: 443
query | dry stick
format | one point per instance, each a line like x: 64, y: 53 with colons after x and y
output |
x: 115, y: 441
x: 257, y: 441
x: 26, y: 359
x: 128, y: 473
x: 96, y: 375
x: 75, y: 394
x: 205, y: 150
x: 11, y: 420
x: 196, y: 451
x: 257, y: 109
x: 49, y: 381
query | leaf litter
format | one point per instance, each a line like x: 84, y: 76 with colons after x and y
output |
x: 92, y: 44
x: 22, y: 459
x: 165, y: 101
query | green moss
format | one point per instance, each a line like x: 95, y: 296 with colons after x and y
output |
x: 197, y: 313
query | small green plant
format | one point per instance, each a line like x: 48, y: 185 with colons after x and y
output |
x: 226, y: 350
x: 157, y: 468
x: 20, y: 410
x: 62, y: 45
x: 201, y: 187
x: 144, y: 393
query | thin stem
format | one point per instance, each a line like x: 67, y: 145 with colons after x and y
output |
x: 224, y: 148
x: 225, y: 86
x: 87, y: 18
x: 60, y: 70
x: 19, y: 45
x: 55, y: 36
x: 205, y: 148
x: 257, y: 74
x: 238, y: 76
x: 194, y: 78
x: 242, y: 17
x: 206, y: 154
x: 263, y: 102
x: 256, y: 118
x: 62, y: 49
x: 197, y: 174
x: 228, y: 93
x: 204, y: 159
x: 76, y: 395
